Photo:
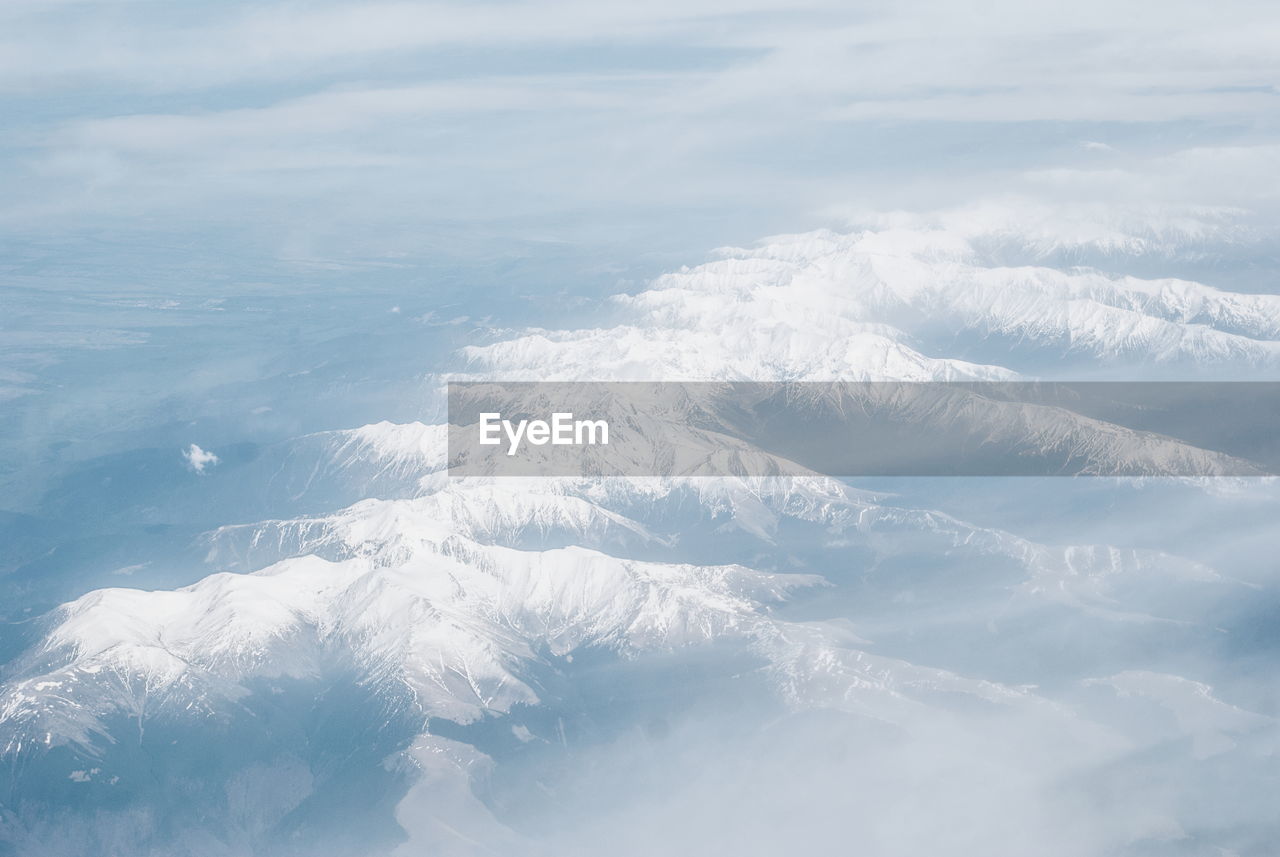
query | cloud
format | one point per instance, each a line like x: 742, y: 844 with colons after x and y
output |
x: 74, y: 44
x: 198, y: 459
x: 333, y: 112
x: 410, y: 129
x: 1081, y: 104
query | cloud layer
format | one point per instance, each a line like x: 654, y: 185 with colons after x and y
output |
x: 364, y: 132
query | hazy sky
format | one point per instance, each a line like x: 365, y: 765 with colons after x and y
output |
x: 146, y: 136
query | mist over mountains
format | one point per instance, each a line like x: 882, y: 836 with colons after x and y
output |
x: 247, y: 249
x: 339, y: 649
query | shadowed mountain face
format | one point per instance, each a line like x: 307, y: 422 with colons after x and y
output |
x: 338, y: 649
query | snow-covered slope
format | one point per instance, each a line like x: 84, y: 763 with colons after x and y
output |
x: 461, y: 603
x: 449, y: 621
x: 888, y: 305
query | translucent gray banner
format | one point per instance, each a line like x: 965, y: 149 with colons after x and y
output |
x: 864, y: 429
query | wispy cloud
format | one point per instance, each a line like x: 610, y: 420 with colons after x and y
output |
x: 574, y: 122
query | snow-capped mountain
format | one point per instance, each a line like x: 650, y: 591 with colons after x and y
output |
x: 467, y: 611
x: 895, y: 305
